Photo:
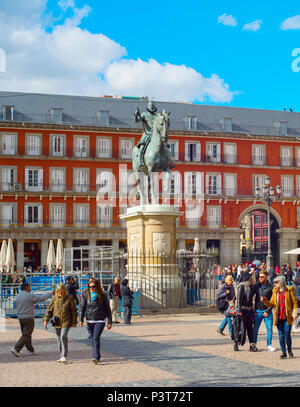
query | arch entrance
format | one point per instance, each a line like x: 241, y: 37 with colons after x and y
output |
x: 253, y: 223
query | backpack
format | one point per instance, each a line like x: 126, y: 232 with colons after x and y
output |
x: 221, y: 304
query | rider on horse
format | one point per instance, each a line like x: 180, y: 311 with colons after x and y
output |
x: 147, y: 119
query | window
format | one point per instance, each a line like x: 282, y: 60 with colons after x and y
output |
x: 230, y: 184
x: 104, y: 181
x: 33, y: 179
x: 8, y: 112
x: 286, y: 156
x: 229, y: 153
x: 174, y: 150
x: 213, y: 184
x: 213, y: 152
x: 193, y: 184
x: 227, y: 124
x: 103, y: 117
x: 55, y: 115
x: 298, y: 185
x: 81, y: 176
x: 258, y: 182
x: 126, y: 148
x: 213, y: 216
x: 265, y: 246
x: 258, y: 155
x: 192, y: 151
x: 7, y: 178
x: 257, y: 232
x: 57, y: 145
x: 297, y: 156
x: 81, y: 146
x: 57, y: 215
x: 287, y: 185
x: 104, y: 215
x: 191, y: 122
x: 265, y: 232
x: 57, y: 179
x: 7, y: 214
x: 298, y: 216
x: 103, y: 147
x: 33, y: 215
x: 175, y: 183
x: 81, y: 215
x: 8, y: 144
x: 257, y: 219
x: 283, y: 128
x: 33, y: 144
x: 257, y: 245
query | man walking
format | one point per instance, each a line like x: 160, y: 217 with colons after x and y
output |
x: 262, y: 312
x: 25, y: 302
x: 114, y: 295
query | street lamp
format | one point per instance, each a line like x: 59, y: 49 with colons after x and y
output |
x: 267, y: 194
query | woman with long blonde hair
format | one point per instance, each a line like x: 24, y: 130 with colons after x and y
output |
x: 64, y: 313
x: 95, y: 308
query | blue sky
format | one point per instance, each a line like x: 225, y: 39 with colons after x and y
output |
x: 191, y: 51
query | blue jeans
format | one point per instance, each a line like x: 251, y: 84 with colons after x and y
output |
x: 226, y: 320
x: 96, y: 330
x: 258, y: 317
x: 284, y: 333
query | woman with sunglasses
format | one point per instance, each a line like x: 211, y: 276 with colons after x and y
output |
x: 285, y: 306
x: 95, y: 308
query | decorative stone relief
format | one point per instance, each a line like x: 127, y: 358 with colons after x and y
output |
x: 135, y: 243
x: 161, y: 243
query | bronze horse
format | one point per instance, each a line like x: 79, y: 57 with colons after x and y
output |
x: 157, y: 158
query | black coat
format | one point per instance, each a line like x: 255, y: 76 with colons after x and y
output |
x: 111, y: 292
x: 127, y: 296
x: 245, y: 297
x: 238, y: 334
x: 95, y: 310
x: 263, y: 291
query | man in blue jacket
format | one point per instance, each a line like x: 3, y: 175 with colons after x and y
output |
x: 25, y: 303
x: 263, y: 289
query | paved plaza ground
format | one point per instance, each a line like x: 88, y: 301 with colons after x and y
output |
x: 182, y: 350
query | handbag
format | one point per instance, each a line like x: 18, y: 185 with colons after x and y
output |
x: 232, y: 309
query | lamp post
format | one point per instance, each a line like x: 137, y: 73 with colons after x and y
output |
x: 267, y: 194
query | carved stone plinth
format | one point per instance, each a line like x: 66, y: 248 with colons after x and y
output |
x: 152, y: 265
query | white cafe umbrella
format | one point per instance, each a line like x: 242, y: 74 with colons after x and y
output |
x: 10, y: 256
x: 294, y: 251
x: 59, y: 254
x: 3, y: 255
x: 51, y: 261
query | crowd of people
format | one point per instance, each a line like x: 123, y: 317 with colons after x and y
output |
x: 249, y: 294
x: 96, y: 308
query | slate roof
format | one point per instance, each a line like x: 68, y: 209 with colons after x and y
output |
x: 81, y: 110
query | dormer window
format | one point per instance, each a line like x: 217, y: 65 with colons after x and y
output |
x: 56, y: 115
x: 227, y: 124
x: 8, y: 112
x: 103, y: 117
x: 283, y: 128
x: 191, y: 122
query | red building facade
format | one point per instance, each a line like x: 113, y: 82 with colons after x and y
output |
x: 73, y: 181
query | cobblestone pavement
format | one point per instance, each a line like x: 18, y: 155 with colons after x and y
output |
x: 161, y: 351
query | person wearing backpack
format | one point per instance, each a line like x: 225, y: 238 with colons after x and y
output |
x: 225, y: 294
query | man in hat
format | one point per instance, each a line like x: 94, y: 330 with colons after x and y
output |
x: 147, y: 119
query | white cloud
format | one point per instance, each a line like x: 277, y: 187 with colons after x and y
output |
x: 227, y: 19
x: 165, y: 81
x: 67, y: 59
x: 254, y: 26
x: 291, y: 23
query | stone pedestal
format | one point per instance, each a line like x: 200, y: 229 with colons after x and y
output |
x: 152, y: 265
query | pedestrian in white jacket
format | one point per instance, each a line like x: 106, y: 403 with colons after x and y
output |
x: 25, y: 303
